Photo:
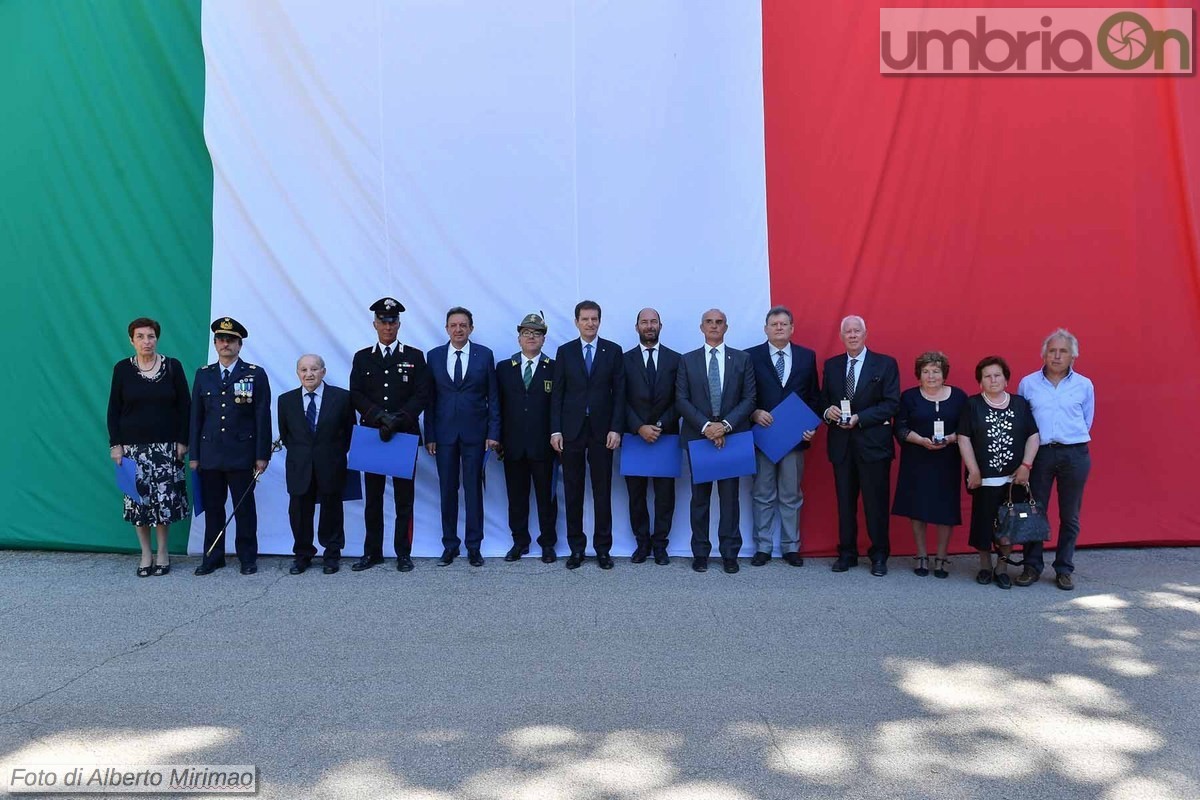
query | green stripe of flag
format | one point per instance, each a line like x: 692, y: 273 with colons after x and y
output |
x: 105, y: 215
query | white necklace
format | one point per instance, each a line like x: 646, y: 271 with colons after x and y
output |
x: 1001, y: 405
x: 935, y: 399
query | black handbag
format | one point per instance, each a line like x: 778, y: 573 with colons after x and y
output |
x: 1021, y: 523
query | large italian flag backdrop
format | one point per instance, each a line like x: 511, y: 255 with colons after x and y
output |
x: 287, y: 163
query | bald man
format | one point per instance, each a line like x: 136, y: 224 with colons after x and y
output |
x: 315, y: 421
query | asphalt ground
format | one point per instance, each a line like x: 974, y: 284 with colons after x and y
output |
x: 529, y: 681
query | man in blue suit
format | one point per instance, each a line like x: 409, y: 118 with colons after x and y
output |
x: 462, y: 423
x: 230, y: 443
x: 587, y: 415
x: 780, y: 368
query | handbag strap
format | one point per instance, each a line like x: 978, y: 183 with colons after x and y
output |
x: 1028, y: 496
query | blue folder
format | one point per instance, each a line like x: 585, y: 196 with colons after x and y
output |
x: 663, y: 459
x: 733, y: 460
x: 126, y: 473
x: 368, y: 453
x: 792, y: 418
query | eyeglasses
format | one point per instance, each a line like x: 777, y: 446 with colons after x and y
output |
x: 527, y: 334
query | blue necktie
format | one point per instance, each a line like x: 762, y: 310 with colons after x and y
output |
x: 714, y: 383
x: 458, y: 367
x: 310, y: 413
x: 587, y: 358
x: 779, y: 365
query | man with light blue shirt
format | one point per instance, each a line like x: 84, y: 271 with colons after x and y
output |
x: 1064, y: 404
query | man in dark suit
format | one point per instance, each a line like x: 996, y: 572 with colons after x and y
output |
x: 780, y: 368
x: 862, y: 394
x: 650, y: 370
x: 587, y: 412
x: 463, y: 422
x: 715, y: 395
x: 389, y: 387
x: 315, y: 422
x: 230, y: 443
x: 526, y: 381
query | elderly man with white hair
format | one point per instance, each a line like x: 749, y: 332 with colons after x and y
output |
x: 1064, y: 405
x: 861, y: 394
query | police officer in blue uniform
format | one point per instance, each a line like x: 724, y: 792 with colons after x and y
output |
x: 389, y: 388
x: 230, y: 442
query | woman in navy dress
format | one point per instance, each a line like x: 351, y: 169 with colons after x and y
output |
x: 927, y: 489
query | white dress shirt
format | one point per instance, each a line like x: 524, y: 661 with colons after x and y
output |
x: 450, y: 359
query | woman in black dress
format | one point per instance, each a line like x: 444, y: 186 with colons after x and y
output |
x: 148, y: 407
x: 998, y: 439
x: 927, y: 489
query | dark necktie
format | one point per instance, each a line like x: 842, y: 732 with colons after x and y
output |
x: 714, y: 382
x: 528, y: 376
x: 387, y: 351
x: 779, y: 365
x: 458, y: 367
x: 225, y: 374
x: 587, y: 358
x: 651, y: 370
x: 850, y: 379
x: 310, y: 413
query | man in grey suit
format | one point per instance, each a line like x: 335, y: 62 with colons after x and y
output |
x: 715, y: 395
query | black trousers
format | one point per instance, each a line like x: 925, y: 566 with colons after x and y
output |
x: 518, y: 474
x: 215, y: 486
x: 639, y: 514
x: 588, y: 453
x: 872, y: 480
x: 331, y: 531
x: 729, y: 535
x: 402, y: 488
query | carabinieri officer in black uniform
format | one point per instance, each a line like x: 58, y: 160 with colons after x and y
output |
x: 389, y: 388
x: 230, y: 439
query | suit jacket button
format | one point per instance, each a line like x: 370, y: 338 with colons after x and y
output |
x: 385, y: 397
x: 222, y: 416
x: 222, y: 405
x: 385, y: 385
x: 222, y: 430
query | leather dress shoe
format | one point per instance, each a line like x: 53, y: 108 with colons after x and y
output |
x: 548, y: 555
x: 331, y: 566
x: 474, y: 558
x: 842, y: 564
x: 207, y: 567
x: 298, y: 566
x: 794, y: 559
x: 249, y: 569
x: 699, y: 564
x: 604, y: 560
x: 730, y: 565
x: 515, y: 552
x: 404, y: 564
x: 879, y: 568
x: 661, y: 558
x: 447, y: 558
x: 575, y: 561
x: 366, y: 562
x: 640, y: 553
x: 760, y: 559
